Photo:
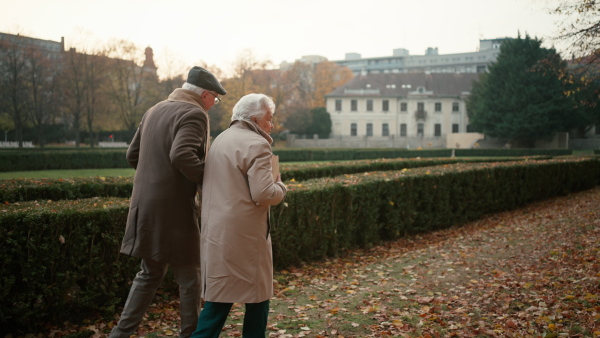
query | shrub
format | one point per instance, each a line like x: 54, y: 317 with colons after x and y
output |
x: 60, y: 260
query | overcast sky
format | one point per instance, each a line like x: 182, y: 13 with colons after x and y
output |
x: 217, y: 31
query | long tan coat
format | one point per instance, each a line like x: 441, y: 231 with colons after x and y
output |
x: 168, y: 152
x: 237, y: 261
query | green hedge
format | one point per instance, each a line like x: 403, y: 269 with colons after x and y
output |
x: 596, y: 151
x: 44, y: 280
x: 337, y: 154
x: 325, y: 217
x: 511, y: 152
x: 19, y: 190
x: 25, y: 160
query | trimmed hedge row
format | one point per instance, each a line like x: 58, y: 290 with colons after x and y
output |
x: 115, y: 158
x: 328, y: 216
x: 338, y: 154
x: 62, y: 159
x: 60, y: 259
x: 18, y: 190
x: 512, y: 152
x: 25, y: 160
x: 302, y: 172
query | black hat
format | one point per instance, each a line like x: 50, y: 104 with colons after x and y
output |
x: 202, y: 78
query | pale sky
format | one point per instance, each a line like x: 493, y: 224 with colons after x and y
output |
x: 218, y: 31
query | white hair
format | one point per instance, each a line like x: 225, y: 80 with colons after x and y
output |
x: 251, y: 105
x: 193, y: 88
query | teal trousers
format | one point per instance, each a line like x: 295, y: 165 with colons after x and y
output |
x: 213, y: 317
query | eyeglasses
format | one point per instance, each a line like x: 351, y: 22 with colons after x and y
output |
x: 217, y: 99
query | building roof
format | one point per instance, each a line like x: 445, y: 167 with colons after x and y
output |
x: 404, y: 84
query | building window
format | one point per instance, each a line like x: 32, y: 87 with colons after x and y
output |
x: 353, y: 105
x: 369, y: 129
x: 369, y: 105
x: 437, y: 129
x: 338, y: 105
x: 385, y: 105
x: 403, y: 129
x: 454, y: 106
x: 455, y: 127
x: 421, y: 106
x: 420, y: 130
x: 353, y: 129
x: 403, y: 106
x: 385, y: 129
x: 438, y: 106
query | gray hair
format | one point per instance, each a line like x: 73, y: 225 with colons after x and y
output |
x: 193, y: 88
x: 251, y: 105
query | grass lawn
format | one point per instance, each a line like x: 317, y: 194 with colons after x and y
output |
x: 67, y: 173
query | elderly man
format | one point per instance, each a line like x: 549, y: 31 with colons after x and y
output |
x: 168, y: 152
x: 239, y: 188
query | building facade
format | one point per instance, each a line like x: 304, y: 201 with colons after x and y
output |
x: 407, y: 109
x: 402, y: 62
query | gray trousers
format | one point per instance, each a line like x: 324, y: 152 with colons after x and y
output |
x: 144, y: 286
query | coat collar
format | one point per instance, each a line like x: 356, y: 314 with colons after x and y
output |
x: 187, y: 96
x: 254, y: 127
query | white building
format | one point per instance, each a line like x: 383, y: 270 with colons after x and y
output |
x: 402, y: 110
x: 402, y: 62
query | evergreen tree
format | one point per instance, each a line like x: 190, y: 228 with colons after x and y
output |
x: 321, y: 123
x: 522, y: 99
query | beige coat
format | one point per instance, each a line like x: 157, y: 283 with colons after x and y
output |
x: 168, y: 152
x: 237, y: 261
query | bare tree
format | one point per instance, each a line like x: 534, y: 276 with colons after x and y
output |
x: 130, y: 86
x: 13, y: 97
x: 43, y: 74
x: 95, y: 80
x: 172, y: 72
x: 75, y: 90
x: 581, y: 28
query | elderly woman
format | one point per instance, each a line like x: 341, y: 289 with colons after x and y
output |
x: 239, y: 188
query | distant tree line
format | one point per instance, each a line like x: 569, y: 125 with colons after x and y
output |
x: 85, y: 95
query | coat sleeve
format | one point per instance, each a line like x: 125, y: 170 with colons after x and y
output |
x: 263, y: 189
x: 133, y: 152
x: 187, y: 151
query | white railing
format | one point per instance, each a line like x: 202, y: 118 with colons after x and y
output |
x: 26, y: 144
x: 113, y: 144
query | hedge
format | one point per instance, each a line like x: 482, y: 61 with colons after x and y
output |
x: 60, y: 259
x: 511, y: 152
x: 325, y: 217
x: 339, y: 154
x: 19, y: 190
x: 45, y: 279
x: 26, y: 160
